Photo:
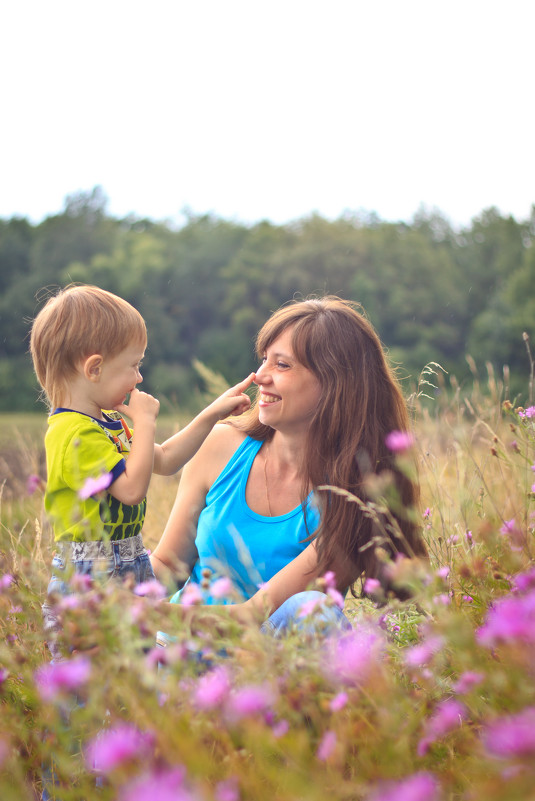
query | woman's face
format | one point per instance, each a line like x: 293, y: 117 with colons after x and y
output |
x: 288, y: 392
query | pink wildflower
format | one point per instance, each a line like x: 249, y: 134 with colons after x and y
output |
x: 6, y: 581
x: 468, y: 599
x: 81, y: 582
x: 524, y: 581
x: 222, y: 588
x: 447, y: 716
x: 326, y: 746
x: 512, y: 735
x: 510, y: 620
x: 330, y: 579
x: 529, y: 412
x: 280, y: 728
x: 151, y: 589
x: 372, y: 586
x: 467, y: 681
x: 338, y: 702
x: 93, y: 486
x: 57, y: 677
x: 336, y: 596
x: 227, y: 790
x: 443, y: 572
x: 422, y: 654
x: 249, y: 701
x: 4, y: 751
x: 212, y: 688
x: 115, y: 746
x: 3, y: 675
x: 420, y: 786
x: 33, y: 483
x: 164, y: 785
x: 191, y: 595
x: 399, y: 441
x: 352, y: 656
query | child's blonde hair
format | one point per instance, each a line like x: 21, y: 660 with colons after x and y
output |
x: 75, y: 323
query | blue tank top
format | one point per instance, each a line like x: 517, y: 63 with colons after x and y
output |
x: 235, y: 542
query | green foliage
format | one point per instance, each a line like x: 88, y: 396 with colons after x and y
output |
x: 433, y: 294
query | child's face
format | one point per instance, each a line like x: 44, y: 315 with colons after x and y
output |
x: 119, y: 376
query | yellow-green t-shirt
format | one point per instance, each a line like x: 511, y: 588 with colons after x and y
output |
x: 80, y: 448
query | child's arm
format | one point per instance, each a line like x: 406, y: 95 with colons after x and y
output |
x: 132, y: 485
x: 178, y: 449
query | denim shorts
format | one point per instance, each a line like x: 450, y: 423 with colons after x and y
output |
x: 102, y: 561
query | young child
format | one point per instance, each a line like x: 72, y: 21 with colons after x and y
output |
x: 87, y: 346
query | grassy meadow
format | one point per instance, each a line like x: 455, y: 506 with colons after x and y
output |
x: 424, y: 700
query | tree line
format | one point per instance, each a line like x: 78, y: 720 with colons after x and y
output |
x: 434, y: 293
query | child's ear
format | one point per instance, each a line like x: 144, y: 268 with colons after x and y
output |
x: 92, y: 367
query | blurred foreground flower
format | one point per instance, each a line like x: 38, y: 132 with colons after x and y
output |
x: 162, y: 785
x: 326, y: 746
x: 212, y: 688
x: 511, y: 735
x: 116, y: 745
x: 448, y: 716
x: 249, y: 701
x: 151, y: 589
x: 419, y: 787
x: 353, y: 656
x: 33, y: 483
x: 58, y: 677
x: 399, y: 441
x: 93, y: 486
x: 510, y: 620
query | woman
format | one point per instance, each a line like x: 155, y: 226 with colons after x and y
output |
x: 253, y: 503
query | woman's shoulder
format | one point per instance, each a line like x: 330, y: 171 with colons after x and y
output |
x: 218, y: 449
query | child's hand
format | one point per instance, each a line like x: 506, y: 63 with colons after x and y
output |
x: 234, y: 400
x: 141, y: 405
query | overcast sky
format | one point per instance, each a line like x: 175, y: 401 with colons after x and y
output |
x: 256, y: 110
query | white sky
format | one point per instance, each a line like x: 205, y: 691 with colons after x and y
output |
x: 269, y: 109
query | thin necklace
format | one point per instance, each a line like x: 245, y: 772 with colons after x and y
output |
x: 266, y: 481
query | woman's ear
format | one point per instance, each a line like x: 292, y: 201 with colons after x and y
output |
x: 92, y: 367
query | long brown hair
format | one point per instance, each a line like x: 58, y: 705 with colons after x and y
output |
x: 361, y: 403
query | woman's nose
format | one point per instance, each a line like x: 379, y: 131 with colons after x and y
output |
x: 262, y: 374
x: 139, y: 378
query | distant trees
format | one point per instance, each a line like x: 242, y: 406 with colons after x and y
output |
x: 434, y: 294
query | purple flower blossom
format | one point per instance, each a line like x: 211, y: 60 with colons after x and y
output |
x: 467, y: 681
x: 512, y: 735
x: 372, y: 586
x: 529, y: 412
x: 3, y: 675
x: 422, y: 654
x: 33, y: 483
x: 248, y: 701
x: 330, y: 579
x: 326, y: 746
x: 399, y: 441
x: 510, y: 620
x: 468, y: 599
x: 163, y: 785
x: 524, y: 581
x: 6, y: 581
x: 336, y: 596
x: 4, y: 751
x: 352, y: 656
x: 447, y: 716
x: 58, y: 677
x: 222, y: 588
x: 212, y: 688
x: 115, y: 746
x: 92, y: 486
x: 420, y: 786
x: 280, y: 728
x: 151, y: 589
x: 227, y: 790
x: 191, y: 595
x: 338, y: 702
x: 81, y: 582
x: 443, y: 572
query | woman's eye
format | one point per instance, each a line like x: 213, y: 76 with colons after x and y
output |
x: 283, y: 365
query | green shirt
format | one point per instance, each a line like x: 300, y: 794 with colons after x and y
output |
x: 78, y: 448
